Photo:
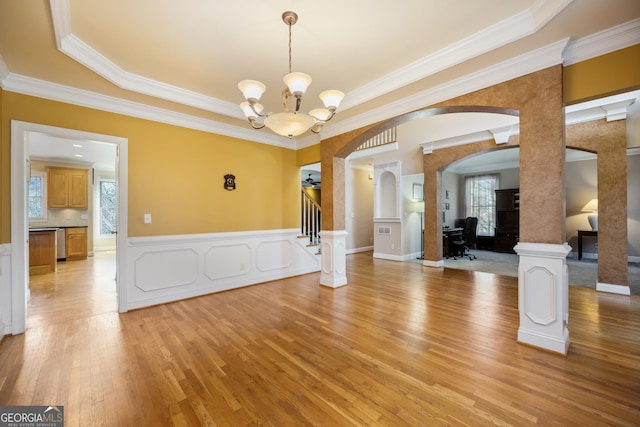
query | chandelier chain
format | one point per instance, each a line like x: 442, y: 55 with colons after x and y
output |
x: 289, y: 46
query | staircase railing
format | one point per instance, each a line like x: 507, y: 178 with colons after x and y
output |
x: 311, y: 219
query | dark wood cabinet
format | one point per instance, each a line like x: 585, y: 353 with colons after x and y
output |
x: 507, y: 220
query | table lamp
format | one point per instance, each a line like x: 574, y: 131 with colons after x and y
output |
x: 592, y: 207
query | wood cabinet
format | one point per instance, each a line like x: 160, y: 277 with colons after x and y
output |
x: 42, y: 251
x: 507, y: 220
x: 67, y: 188
x: 76, y: 243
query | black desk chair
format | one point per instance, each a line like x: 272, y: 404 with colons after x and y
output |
x: 461, y: 244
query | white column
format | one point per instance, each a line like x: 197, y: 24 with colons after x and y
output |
x: 543, y: 296
x: 333, y: 245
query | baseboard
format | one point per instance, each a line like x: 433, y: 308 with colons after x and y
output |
x: 613, y: 289
x: 434, y: 264
x: 388, y: 256
x: 358, y: 250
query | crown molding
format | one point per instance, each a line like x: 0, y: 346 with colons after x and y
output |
x: 533, y: 61
x: 4, y: 72
x: 81, y: 52
x: 498, y: 35
x: 609, y: 40
x: 55, y: 92
x: 598, y: 44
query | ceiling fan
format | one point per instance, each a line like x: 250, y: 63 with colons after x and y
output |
x: 310, y: 182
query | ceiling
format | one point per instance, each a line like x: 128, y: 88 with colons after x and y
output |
x: 180, y: 62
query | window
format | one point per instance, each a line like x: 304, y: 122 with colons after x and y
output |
x: 480, y: 199
x: 107, y: 207
x: 37, y: 201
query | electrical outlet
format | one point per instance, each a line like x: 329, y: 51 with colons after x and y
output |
x: 147, y: 218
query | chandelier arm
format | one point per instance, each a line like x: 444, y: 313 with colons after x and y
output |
x: 286, y: 93
x: 317, y: 127
x: 252, y: 104
x: 253, y: 124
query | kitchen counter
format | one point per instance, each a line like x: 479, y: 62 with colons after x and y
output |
x: 42, y: 250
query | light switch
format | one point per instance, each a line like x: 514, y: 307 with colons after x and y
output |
x: 147, y: 218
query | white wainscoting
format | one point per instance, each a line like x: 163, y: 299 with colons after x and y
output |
x: 168, y: 268
x: 5, y: 289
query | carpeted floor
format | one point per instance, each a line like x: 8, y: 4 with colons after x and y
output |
x: 581, y: 273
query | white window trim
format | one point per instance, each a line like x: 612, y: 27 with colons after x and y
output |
x: 45, y: 210
x: 97, y: 227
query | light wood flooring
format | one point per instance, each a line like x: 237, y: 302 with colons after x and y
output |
x: 402, y: 344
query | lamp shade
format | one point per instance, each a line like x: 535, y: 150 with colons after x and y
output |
x: 592, y: 206
x: 251, y: 89
x: 321, y: 114
x: 331, y: 98
x: 297, y: 82
x: 248, y: 111
x: 289, y: 124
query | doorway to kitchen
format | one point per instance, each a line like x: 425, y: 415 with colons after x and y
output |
x: 21, y: 132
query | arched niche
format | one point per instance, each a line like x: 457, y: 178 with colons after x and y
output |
x: 387, y: 190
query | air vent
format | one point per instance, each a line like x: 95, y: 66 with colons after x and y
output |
x: 384, y: 230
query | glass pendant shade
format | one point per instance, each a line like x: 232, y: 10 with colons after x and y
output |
x: 248, y: 111
x: 251, y: 89
x: 297, y: 82
x: 331, y: 98
x: 289, y: 124
x: 321, y: 114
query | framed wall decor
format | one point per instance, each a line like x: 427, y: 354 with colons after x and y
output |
x: 417, y: 192
x: 229, y: 182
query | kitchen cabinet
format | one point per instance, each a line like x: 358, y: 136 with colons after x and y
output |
x: 42, y: 251
x: 67, y: 188
x: 76, y: 243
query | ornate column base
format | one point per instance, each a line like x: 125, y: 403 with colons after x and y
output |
x: 543, y: 296
x: 333, y: 266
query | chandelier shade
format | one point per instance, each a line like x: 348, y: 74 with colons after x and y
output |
x: 288, y: 123
x: 252, y: 89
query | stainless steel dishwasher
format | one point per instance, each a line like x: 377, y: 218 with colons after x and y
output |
x: 61, y: 243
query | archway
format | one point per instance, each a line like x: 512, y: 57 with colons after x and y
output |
x: 538, y: 99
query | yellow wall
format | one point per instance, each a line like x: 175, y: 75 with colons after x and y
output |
x: 601, y: 76
x: 176, y: 174
x: 308, y: 155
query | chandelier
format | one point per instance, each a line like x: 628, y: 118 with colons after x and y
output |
x: 288, y: 123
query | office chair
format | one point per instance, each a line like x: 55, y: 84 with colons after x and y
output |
x: 463, y: 242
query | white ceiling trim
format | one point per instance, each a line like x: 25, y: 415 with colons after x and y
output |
x: 507, y: 31
x: 519, y: 66
x: 609, y: 40
x: 81, y: 52
x: 498, y: 35
x: 55, y: 92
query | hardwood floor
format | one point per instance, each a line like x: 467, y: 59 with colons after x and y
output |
x: 401, y: 344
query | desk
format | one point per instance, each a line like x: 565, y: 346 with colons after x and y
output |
x: 446, y: 236
x: 593, y: 233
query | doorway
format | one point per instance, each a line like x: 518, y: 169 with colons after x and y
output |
x: 20, y: 132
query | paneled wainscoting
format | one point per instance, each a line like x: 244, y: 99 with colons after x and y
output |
x: 168, y: 268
